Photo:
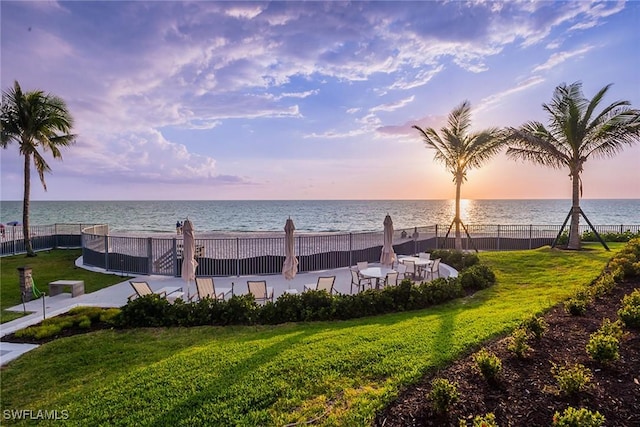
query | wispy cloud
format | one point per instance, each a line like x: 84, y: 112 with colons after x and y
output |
x: 560, y: 57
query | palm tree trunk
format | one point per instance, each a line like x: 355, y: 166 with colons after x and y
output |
x: 25, y: 206
x: 574, y: 229
x: 458, y: 240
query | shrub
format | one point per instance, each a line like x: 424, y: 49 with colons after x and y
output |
x: 443, y: 394
x: 582, y: 417
x: 535, y: 325
x: 488, y: 364
x: 603, y: 285
x: 109, y: 315
x: 146, y: 311
x: 40, y: 332
x: 577, y: 305
x: 518, y: 343
x: 630, y: 311
x: 571, y: 379
x: 456, y: 259
x: 488, y: 420
x: 478, y: 276
x: 603, y: 347
x: 611, y: 328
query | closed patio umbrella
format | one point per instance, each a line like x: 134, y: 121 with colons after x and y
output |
x: 290, y: 266
x: 388, y: 256
x: 189, y: 262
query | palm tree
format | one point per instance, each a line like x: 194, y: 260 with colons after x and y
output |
x: 461, y: 151
x: 575, y: 133
x: 34, y: 120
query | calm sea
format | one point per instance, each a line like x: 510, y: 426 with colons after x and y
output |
x: 314, y: 215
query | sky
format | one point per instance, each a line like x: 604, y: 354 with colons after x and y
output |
x: 208, y: 100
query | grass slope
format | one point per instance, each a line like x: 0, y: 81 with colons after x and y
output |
x: 48, y: 266
x: 342, y: 372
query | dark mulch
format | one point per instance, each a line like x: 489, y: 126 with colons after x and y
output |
x: 526, y: 393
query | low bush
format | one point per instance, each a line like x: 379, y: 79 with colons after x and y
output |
x: 535, y: 325
x: 603, y: 348
x: 477, y: 277
x: 80, y: 317
x: 456, y: 259
x: 577, y: 305
x: 630, y: 311
x: 443, y: 394
x: 488, y: 364
x: 571, y: 379
x: 488, y: 420
x: 518, y: 343
x: 582, y: 417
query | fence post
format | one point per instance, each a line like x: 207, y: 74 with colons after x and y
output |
x: 106, y: 253
x: 150, y: 255
x: 530, y: 235
x: 498, y: 243
x: 237, y: 256
x: 175, y: 257
x: 437, y: 236
x: 350, y: 249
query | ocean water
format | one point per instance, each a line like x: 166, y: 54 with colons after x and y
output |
x: 314, y: 215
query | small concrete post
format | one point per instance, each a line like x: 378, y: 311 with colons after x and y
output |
x: 26, y: 283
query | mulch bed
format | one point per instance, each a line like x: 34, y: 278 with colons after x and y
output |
x: 526, y: 393
x: 68, y: 332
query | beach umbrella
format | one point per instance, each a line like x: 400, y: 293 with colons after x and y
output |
x: 290, y: 266
x: 189, y: 263
x: 388, y: 255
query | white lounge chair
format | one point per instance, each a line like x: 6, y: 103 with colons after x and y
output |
x: 260, y: 291
x: 323, y: 284
x: 143, y: 289
x: 206, y: 288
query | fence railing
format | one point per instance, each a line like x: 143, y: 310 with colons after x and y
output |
x: 236, y: 256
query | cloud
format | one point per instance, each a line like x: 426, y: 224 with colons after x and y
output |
x: 497, y: 98
x: 393, y: 105
x: 559, y: 57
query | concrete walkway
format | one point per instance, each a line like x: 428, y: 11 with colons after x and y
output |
x: 116, y: 296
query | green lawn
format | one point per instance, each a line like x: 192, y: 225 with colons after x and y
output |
x: 48, y: 266
x: 248, y: 376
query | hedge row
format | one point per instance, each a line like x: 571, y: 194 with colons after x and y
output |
x: 154, y: 311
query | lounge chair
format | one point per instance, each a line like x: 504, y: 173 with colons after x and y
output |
x: 358, y: 281
x: 207, y: 289
x: 323, y: 284
x: 143, y: 289
x: 260, y: 291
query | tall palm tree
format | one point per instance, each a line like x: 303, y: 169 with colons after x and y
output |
x: 461, y: 151
x: 575, y: 133
x: 34, y: 120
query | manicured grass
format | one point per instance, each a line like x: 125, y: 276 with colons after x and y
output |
x: 247, y: 376
x: 48, y: 266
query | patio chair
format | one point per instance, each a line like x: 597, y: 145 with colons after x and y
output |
x: 391, y: 279
x: 362, y: 265
x: 402, y: 271
x: 358, y: 281
x: 206, y: 288
x: 260, y: 291
x: 323, y: 284
x: 411, y: 269
x: 142, y: 289
x: 424, y: 255
x: 435, y: 269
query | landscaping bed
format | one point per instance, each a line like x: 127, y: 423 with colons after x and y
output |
x: 526, y: 393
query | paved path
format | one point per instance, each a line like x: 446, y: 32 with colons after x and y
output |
x: 116, y: 296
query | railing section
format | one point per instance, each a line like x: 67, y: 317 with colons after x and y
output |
x: 265, y: 255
